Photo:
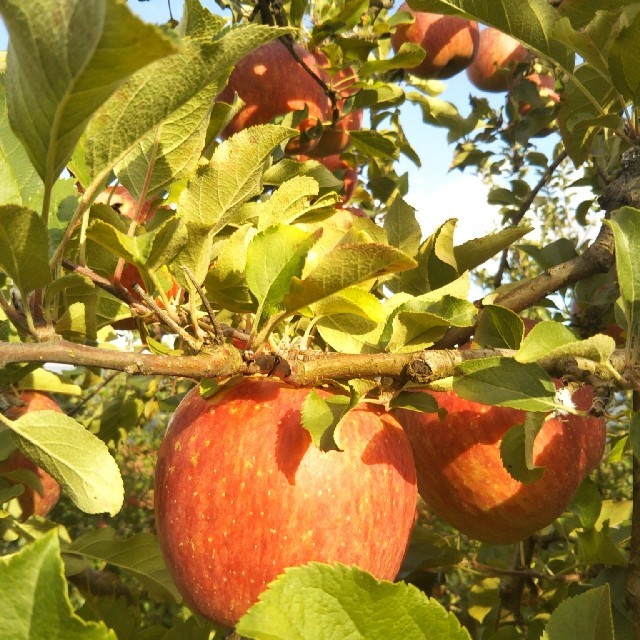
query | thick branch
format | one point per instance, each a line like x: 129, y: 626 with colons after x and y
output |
x: 297, y: 367
x: 597, y: 258
x: 222, y: 362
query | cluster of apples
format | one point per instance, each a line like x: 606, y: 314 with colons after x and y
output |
x: 242, y: 492
x: 492, y: 59
x: 271, y: 82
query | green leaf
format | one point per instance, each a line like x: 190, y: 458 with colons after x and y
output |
x: 427, y: 550
x: 532, y: 22
x: 414, y: 401
x: 516, y: 449
x: 623, y: 58
x: 418, y: 323
x: 24, y: 248
x: 226, y: 282
x: 274, y: 258
x: 139, y: 555
x: 64, y: 60
x: 499, y: 328
x: 408, y: 56
x: 474, y: 252
x: 579, y: 118
x: 288, y: 202
x: 587, y: 503
x: 19, y: 180
x: 35, y: 604
x: 585, y: 617
x: 625, y: 223
x: 151, y: 95
x: 543, y: 338
x: 354, y: 301
x: 336, y: 602
x: 50, y: 382
x: 504, y: 382
x: 372, y: 143
x: 346, y: 265
x: 351, y: 333
x: 198, y: 23
x: 437, y: 264
x: 74, y: 457
x: 172, y: 151
x: 150, y: 250
x: 320, y: 417
x: 219, y: 189
x: 403, y: 230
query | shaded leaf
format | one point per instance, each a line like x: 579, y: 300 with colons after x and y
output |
x: 139, y: 555
x: 504, y: 382
x: 24, y: 248
x: 35, y: 604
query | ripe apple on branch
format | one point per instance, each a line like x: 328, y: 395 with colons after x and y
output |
x: 242, y: 493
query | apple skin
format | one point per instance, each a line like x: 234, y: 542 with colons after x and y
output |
x: 450, y: 42
x: 462, y: 479
x: 120, y: 199
x: 498, y: 56
x: 272, y: 83
x: 242, y: 493
x: 31, y: 502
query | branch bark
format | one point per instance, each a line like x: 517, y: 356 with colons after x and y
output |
x: 303, y: 368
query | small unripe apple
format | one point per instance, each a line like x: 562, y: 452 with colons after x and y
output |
x: 272, y: 83
x: 450, y: 42
x: 461, y: 476
x: 242, y: 493
x: 496, y: 62
x: 31, y: 502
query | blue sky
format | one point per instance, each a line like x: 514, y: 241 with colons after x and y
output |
x: 436, y: 193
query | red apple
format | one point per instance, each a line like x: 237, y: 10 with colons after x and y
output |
x: 124, y: 203
x: 450, y: 43
x: 462, y: 479
x: 271, y: 83
x: 31, y: 502
x: 496, y: 62
x: 546, y: 87
x: 241, y: 493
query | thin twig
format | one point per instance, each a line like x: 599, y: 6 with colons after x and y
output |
x: 96, y: 390
x: 524, y: 207
x: 219, y: 335
x: 166, y: 318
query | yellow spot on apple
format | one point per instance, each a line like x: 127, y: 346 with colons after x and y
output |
x: 177, y: 446
x: 194, y: 459
x: 207, y: 443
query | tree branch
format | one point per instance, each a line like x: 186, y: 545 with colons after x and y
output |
x: 304, y: 368
x: 219, y: 363
x: 524, y: 207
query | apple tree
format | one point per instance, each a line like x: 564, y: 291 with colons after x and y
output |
x: 245, y: 393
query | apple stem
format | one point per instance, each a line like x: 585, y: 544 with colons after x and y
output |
x: 632, y: 587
